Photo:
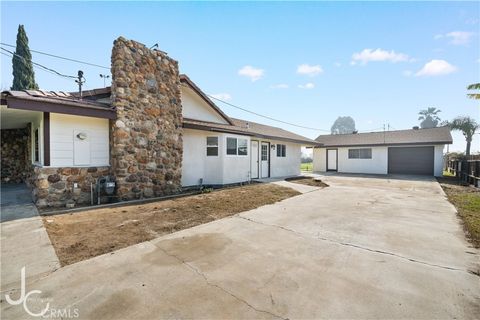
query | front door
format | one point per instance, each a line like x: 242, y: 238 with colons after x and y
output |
x: 265, y: 159
x: 254, y: 160
x: 331, y: 159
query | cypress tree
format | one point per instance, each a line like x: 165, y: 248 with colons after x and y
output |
x: 23, y: 75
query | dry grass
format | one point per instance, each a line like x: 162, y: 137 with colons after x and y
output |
x: 83, y: 235
x: 467, y: 201
x: 308, y: 181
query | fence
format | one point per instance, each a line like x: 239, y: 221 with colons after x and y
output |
x: 466, y: 169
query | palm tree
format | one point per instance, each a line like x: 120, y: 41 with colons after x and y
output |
x: 429, y: 117
x: 468, y: 126
x: 475, y: 86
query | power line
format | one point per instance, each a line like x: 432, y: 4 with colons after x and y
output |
x: 38, y: 64
x: 267, y: 117
x: 99, y: 66
x: 35, y: 66
x: 60, y: 57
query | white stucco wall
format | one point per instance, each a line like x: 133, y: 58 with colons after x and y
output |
x: 62, y: 128
x: 319, y: 159
x: 227, y: 169
x: 195, y: 164
x: 438, y: 160
x: 288, y: 165
x: 194, y: 107
x: 377, y: 165
x: 235, y: 168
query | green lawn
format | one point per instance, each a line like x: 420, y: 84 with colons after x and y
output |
x: 306, y: 166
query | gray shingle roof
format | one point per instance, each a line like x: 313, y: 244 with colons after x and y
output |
x: 253, y: 129
x: 439, y: 135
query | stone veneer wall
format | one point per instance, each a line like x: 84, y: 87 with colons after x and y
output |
x: 147, y: 135
x: 15, y: 162
x: 54, y: 187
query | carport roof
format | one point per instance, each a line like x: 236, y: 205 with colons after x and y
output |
x: 440, y: 135
x: 56, y: 102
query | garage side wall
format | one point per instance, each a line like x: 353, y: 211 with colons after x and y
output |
x: 438, y: 160
x: 319, y: 160
x: 378, y: 164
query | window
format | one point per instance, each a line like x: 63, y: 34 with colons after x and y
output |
x: 360, y: 153
x: 36, y: 147
x: 212, y: 146
x: 237, y: 146
x: 242, y: 147
x: 281, y: 150
x: 264, y: 152
x: 232, y: 146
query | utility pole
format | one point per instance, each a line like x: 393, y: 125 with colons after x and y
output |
x: 80, y: 81
x: 104, y: 76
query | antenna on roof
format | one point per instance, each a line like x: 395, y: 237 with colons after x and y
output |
x: 80, y: 81
x: 154, y: 46
x: 104, y: 76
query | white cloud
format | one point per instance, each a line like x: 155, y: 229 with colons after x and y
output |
x: 308, y: 85
x: 250, y: 72
x: 370, y: 55
x: 436, y: 68
x: 456, y: 37
x: 279, y: 86
x: 309, y: 70
x: 222, y: 96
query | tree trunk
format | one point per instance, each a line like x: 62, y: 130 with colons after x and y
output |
x: 467, y: 152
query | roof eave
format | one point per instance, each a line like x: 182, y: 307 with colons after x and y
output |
x: 244, y: 133
x: 383, y: 144
x: 63, y: 107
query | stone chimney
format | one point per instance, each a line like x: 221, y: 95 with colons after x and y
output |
x: 147, y: 135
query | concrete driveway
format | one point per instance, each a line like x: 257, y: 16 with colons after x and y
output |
x: 362, y: 248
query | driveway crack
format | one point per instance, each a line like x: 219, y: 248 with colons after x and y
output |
x: 201, y: 274
x: 347, y: 244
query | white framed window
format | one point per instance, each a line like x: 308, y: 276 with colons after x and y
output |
x: 242, y: 147
x: 281, y: 150
x: 237, y: 146
x: 364, y: 153
x: 212, y: 146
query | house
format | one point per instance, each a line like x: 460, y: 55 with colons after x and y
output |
x: 153, y: 132
x: 414, y: 151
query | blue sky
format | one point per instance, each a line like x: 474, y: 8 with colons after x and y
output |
x: 306, y: 63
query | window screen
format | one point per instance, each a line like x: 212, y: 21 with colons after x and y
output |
x: 281, y: 150
x: 232, y: 146
x: 242, y: 147
x: 212, y: 146
x: 365, y: 153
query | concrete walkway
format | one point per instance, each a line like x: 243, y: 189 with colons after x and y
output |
x: 24, y: 240
x: 361, y: 248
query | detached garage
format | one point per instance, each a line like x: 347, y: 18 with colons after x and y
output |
x: 413, y: 151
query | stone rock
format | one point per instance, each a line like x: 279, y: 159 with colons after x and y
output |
x: 43, y: 184
x: 54, y: 178
x: 59, y: 185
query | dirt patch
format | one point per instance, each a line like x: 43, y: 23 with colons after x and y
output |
x: 467, y: 201
x: 308, y: 181
x: 83, y: 235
